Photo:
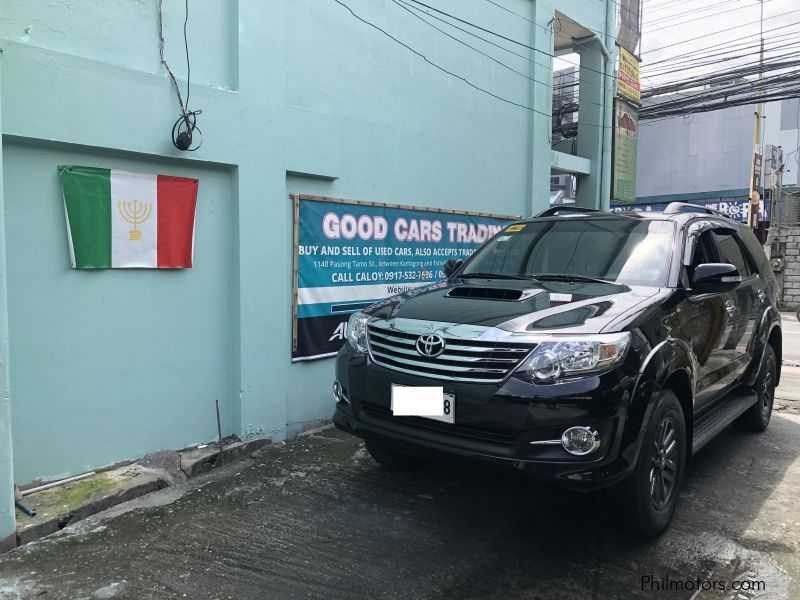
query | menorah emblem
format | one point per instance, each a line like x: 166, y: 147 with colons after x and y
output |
x: 135, y: 213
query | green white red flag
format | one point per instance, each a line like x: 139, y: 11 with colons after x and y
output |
x: 120, y: 219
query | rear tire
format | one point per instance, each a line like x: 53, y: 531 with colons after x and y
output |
x: 392, y: 459
x: 652, y: 492
x: 757, y: 417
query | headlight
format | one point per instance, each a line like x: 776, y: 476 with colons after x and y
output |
x: 357, y: 332
x: 566, y: 356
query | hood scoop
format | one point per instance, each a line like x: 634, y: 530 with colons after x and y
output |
x: 492, y: 293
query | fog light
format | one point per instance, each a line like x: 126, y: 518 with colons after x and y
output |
x: 580, y: 441
x: 338, y: 392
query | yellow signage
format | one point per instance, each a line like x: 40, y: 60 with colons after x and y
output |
x: 628, y: 77
x: 515, y: 228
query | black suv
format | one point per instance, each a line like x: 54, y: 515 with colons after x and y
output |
x: 583, y: 347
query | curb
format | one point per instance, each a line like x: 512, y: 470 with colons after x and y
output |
x: 63, y: 505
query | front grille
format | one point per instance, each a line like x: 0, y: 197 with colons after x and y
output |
x: 471, y: 433
x: 462, y: 359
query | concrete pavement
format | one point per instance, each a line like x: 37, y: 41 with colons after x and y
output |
x: 316, y: 518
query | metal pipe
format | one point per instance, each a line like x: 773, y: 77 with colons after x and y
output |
x: 31, y: 512
x: 52, y: 484
x: 219, y: 436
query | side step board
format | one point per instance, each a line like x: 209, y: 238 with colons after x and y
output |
x: 720, y: 416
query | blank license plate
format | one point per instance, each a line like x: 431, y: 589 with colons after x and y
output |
x: 427, y: 402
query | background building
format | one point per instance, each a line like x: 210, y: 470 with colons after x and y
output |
x: 300, y: 96
x: 706, y: 158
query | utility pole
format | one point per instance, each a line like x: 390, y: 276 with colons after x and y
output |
x: 755, y: 174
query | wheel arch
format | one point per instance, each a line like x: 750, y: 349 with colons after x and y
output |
x: 775, y: 340
x: 669, y: 365
x: 681, y: 384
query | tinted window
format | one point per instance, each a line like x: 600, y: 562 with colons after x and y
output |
x: 731, y: 252
x: 624, y: 250
x: 756, y: 251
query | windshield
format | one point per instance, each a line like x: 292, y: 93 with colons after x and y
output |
x: 620, y: 250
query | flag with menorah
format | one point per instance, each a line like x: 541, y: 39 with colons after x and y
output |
x: 120, y: 219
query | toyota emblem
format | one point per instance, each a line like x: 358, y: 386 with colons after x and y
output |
x: 430, y: 345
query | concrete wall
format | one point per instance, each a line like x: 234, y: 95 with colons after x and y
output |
x: 7, y: 519
x: 297, y: 96
x: 139, y: 355
x: 790, y: 278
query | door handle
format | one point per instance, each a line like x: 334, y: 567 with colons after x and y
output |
x: 730, y: 308
x: 762, y: 296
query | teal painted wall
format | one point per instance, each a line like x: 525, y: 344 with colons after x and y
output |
x: 108, y: 366
x: 7, y: 517
x: 107, y: 362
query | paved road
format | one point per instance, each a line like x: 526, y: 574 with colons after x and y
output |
x: 316, y: 518
x: 791, y: 337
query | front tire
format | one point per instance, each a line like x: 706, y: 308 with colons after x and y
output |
x: 652, y: 493
x: 757, y: 417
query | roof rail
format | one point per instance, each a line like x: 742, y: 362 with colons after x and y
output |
x: 674, y: 208
x: 554, y: 210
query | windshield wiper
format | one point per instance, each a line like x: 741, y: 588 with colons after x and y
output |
x: 567, y: 277
x: 493, y: 276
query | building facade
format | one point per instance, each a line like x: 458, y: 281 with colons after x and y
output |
x: 706, y: 158
x: 300, y: 96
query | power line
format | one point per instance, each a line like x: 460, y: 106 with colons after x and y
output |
x: 411, y: 10
x: 698, y: 10
x: 731, y: 44
x: 508, y: 39
x: 729, y: 10
x: 686, y: 63
x: 720, y: 31
x: 775, y: 64
x: 437, y: 66
x: 448, y: 72
x: 508, y: 10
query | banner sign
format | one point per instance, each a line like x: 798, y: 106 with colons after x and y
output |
x: 629, y: 32
x: 735, y: 208
x: 350, y: 254
x: 628, y: 85
x: 623, y: 172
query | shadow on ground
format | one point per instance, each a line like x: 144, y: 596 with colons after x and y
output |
x: 318, y: 519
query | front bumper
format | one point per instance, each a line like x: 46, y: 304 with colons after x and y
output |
x: 495, y: 422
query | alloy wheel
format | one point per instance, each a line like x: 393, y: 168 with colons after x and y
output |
x: 767, y: 392
x: 664, y: 463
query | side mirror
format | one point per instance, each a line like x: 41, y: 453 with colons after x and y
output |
x: 451, y: 266
x: 715, y: 278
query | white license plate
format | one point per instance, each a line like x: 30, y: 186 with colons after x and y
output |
x: 427, y: 402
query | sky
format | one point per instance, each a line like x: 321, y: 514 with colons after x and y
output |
x: 668, y: 22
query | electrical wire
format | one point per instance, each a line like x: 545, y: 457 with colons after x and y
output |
x: 702, y: 16
x: 438, y: 66
x: 716, y: 58
x: 729, y: 45
x: 412, y: 10
x: 185, y: 126
x: 699, y: 37
x: 512, y: 40
x: 447, y: 71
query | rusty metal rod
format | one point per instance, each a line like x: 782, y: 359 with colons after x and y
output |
x: 219, y: 435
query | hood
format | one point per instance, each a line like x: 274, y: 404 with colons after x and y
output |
x: 517, y: 305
